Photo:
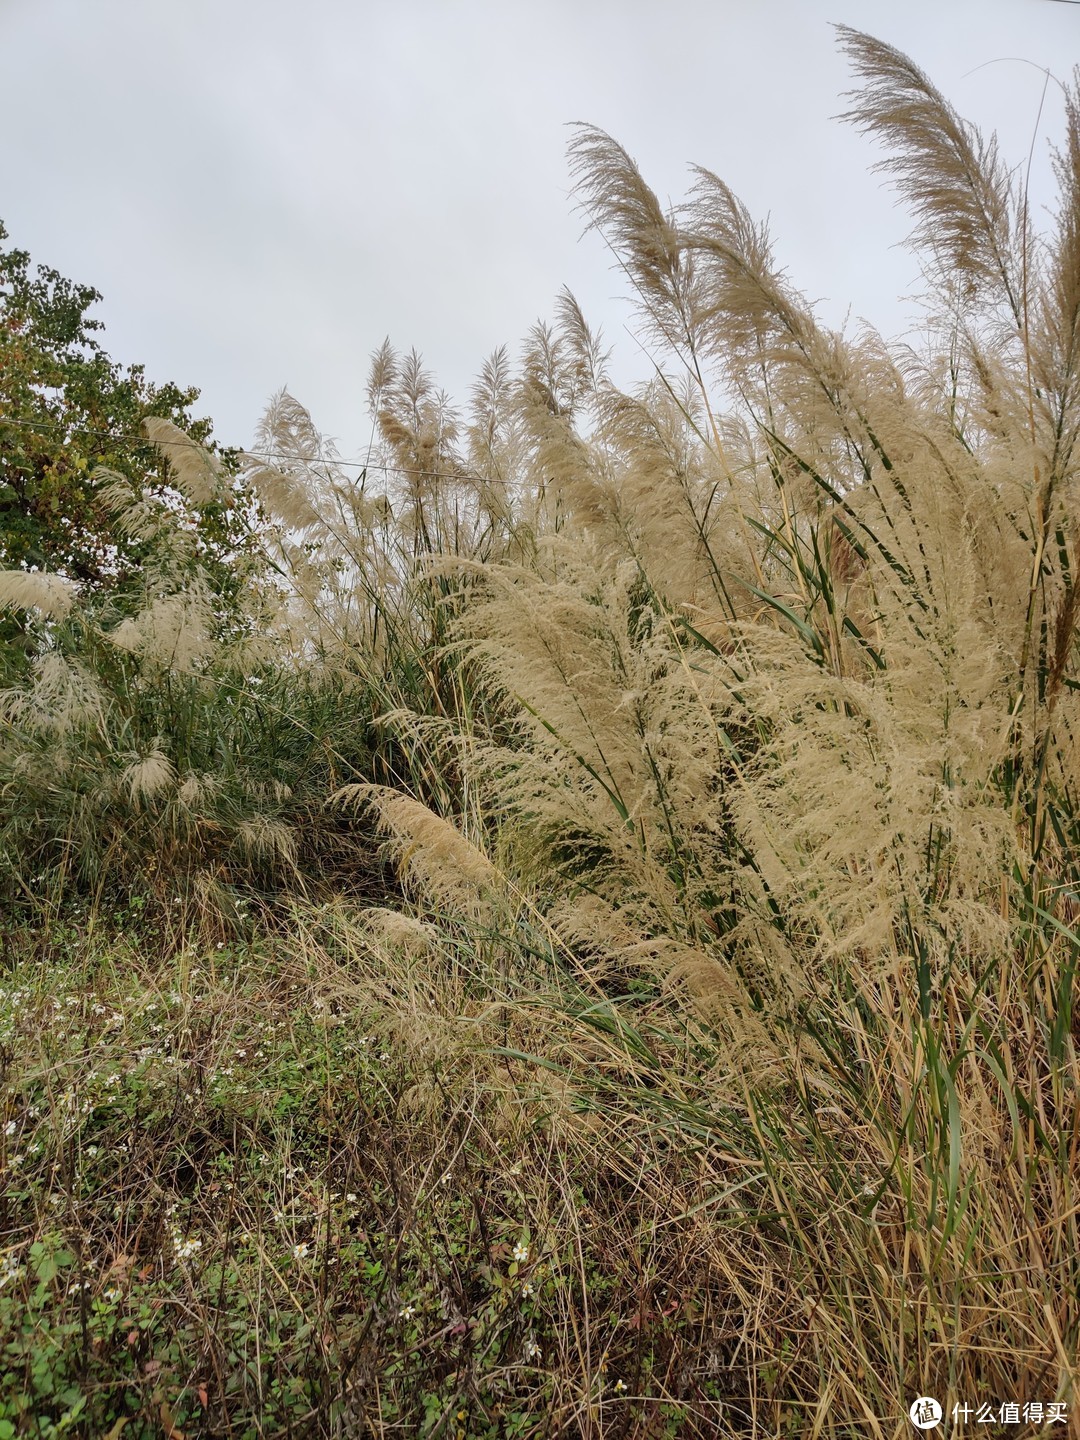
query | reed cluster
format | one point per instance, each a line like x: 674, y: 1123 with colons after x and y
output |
x: 683, y: 785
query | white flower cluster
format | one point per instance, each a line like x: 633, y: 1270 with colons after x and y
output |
x: 10, y: 1269
x: 184, y: 1246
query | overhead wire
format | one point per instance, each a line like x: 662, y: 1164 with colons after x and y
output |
x: 365, y: 464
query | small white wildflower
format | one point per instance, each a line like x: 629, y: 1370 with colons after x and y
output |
x: 521, y: 1253
x: 526, y: 1291
x: 185, y: 1248
x: 300, y: 1251
x: 621, y: 1387
x: 407, y: 1312
x: 531, y: 1350
x: 10, y: 1269
x: 112, y: 1295
x: 9, y: 1128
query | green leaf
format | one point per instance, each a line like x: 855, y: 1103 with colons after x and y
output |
x: 808, y: 633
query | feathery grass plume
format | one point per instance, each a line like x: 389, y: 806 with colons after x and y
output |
x: 621, y: 951
x: 645, y: 240
x: 1055, y: 329
x: 264, y: 837
x: 550, y: 379
x: 587, y: 356
x: 291, y: 473
x: 150, y: 775
x: 434, y: 856
x: 427, y: 990
x: 916, y: 799
x: 876, y: 543
x: 552, y: 646
x: 60, y: 698
x: 672, y: 501
x: 194, y: 790
x: 134, y: 513
x: 492, y: 415
x: 398, y: 932
x: 746, y: 311
x: 623, y: 776
x: 316, y: 526
x: 572, y: 481
x: 197, y: 472
x: 173, y: 632
x: 419, y: 430
x: 328, y: 540
x: 495, y: 456
x: 53, y: 595
x: 288, y: 430
x: 282, y: 494
x: 953, y: 179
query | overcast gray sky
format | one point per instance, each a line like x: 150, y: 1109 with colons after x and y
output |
x: 263, y: 190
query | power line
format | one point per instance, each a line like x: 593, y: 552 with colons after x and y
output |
x: 367, y: 464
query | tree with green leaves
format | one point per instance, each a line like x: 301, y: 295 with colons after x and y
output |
x: 66, y: 408
x: 71, y: 429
